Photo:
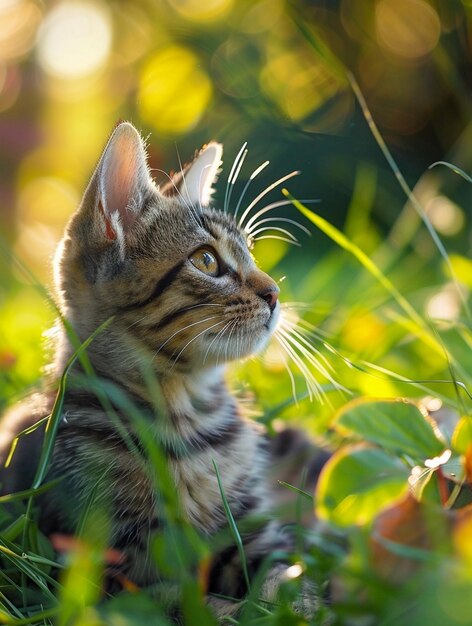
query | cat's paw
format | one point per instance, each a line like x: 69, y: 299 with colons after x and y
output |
x: 307, y: 603
x: 307, y: 600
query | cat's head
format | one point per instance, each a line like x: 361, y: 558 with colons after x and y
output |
x: 176, y: 274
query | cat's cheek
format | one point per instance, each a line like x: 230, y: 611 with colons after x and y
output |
x: 261, y: 343
x: 268, y: 330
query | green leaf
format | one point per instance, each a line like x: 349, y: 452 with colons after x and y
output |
x: 357, y: 483
x: 396, y: 425
x: 462, y: 436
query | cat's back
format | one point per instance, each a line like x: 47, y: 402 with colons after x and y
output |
x: 20, y: 472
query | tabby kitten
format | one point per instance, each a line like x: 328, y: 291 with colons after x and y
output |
x: 184, y: 295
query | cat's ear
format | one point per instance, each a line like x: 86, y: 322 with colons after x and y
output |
x: 119, y: 185
x: 200, y: 176
x: 123, y: 178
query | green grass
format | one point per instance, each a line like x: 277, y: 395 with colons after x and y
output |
x: 380, y: 444
x: 395, y: 539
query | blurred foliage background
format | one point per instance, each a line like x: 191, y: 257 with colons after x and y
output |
x: 185, y: 72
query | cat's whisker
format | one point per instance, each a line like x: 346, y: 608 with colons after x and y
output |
x: 184, y: 201
x: 310, y: 353
x: 196, y: 306
x: 193, y: 339
x: 290, y: 352
x: 220, y: 347
x: 295, y: 243
x: 182, y: 172
x: 235, y: 175
x: 290, y: 374
x: 181, y: 330
x: 191, y: 208
x: 189, y: 308
x: 239, y: 346
x: 262, y: 211
x: 294, y: 334
x: 311, y: 384
x: 311, y: 329
x: 138, y: 321
x: 257, y: 171
x: 220, y: 350
x: 305, y: 355
x: 215, y: 338
x: 276, y: 228
x: 298, y: 332
x: 297, y: 305
x: 171, y: 180
x: 291, y: 323
x: 229, y: 337
x: 270, y: 207
x: 231, y: 172
x: 264, y: 193
x: 229, y: 329
x: 277, y: 219
x: 315, y: 356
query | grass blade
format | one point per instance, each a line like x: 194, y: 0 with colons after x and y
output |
x: 300, y: 492
x: 405, y: 187
x: 335, y: 65
x: 56, y: 413
x: 454, y: 168
x: 338, y: 237
x: 233, y: 528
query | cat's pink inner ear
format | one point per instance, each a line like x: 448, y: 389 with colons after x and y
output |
x: 124, y: 178
x: 202, y: 174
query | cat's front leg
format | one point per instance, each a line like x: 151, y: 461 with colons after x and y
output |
x: 228, y: 575
x: 305, y: 605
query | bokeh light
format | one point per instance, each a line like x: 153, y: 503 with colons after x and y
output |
x: 262, y: 16
x: 10, y: 86
x: 136, y: 34
x: 173, y: 90
x: 199, y: 11
x: 297, y: 84
x: 445, y: 215
x: 48, y: 201
x: 233, y: 69
x: 408, y: 28
x: 444, y: 305
x: 18, y: 22
x: 75, y: 39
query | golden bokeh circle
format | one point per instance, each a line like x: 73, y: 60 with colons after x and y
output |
x: 174, y: 90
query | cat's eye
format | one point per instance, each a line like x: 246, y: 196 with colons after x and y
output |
x: 205, y: 261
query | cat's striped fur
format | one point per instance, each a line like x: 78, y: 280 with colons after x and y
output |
x: 127, y: 254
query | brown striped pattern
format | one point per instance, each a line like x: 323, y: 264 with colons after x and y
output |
x: 173, y: 328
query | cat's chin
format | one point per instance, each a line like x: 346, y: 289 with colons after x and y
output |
x: 242, y: 343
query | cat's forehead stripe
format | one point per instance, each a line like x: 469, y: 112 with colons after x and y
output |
x: 233, y: 245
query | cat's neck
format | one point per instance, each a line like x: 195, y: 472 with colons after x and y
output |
x: 184, y: 397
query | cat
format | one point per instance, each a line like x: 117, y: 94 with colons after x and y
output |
x: 178, y: 292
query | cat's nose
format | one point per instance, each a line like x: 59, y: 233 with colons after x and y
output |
x: 270, y: 296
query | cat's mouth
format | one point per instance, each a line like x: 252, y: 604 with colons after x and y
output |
x: 274, y: 316
x: 257, y: 334
x: 240, y: 336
